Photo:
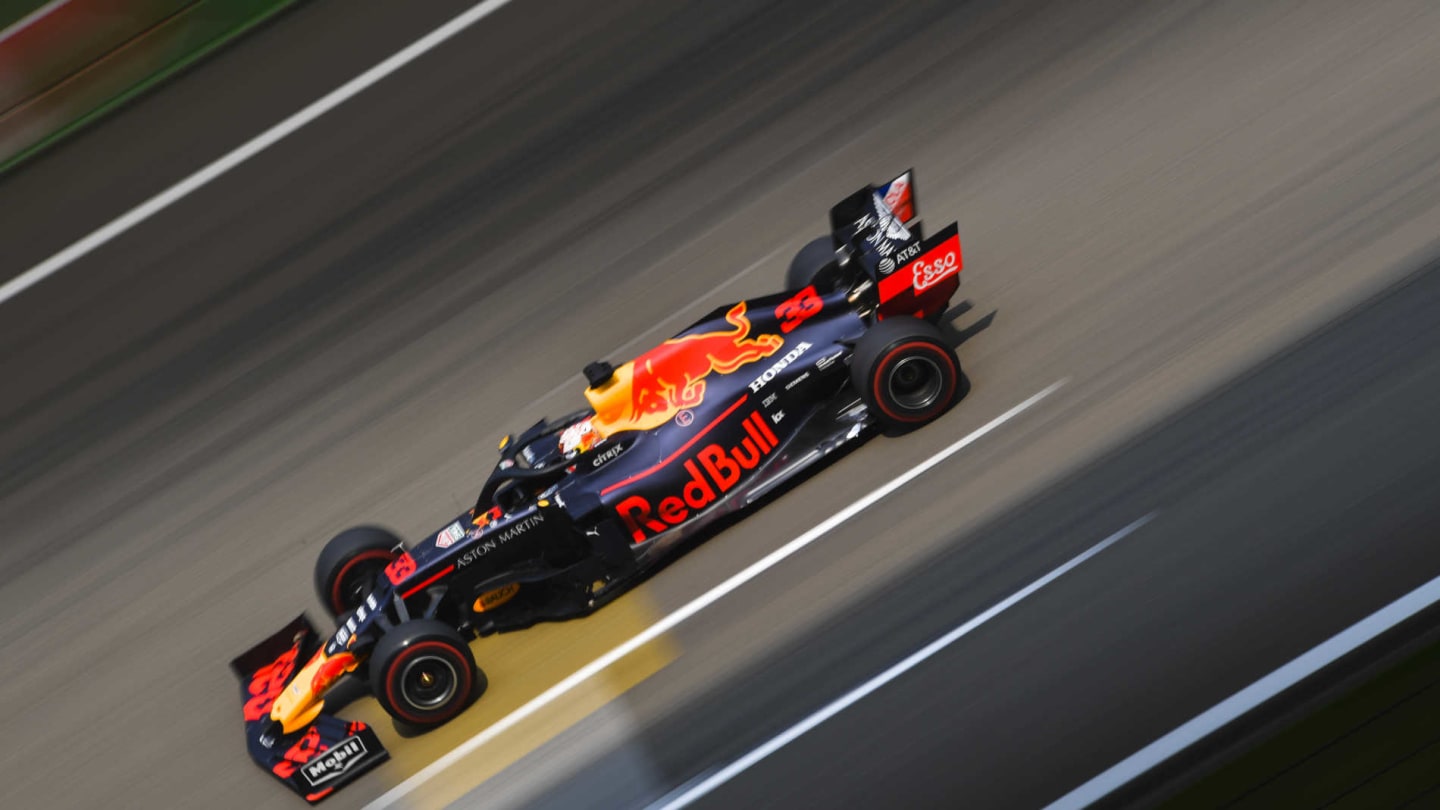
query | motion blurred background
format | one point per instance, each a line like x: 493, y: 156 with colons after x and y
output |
x: 1215, y: 221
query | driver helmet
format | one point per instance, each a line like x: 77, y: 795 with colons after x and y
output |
x: 579, y: 437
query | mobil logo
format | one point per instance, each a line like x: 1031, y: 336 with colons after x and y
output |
x: 335, y: 761
x: 713, y: 471
x: 671, y: 377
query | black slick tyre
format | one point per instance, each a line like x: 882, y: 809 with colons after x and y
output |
x: 423, y: 674
x: 348, y: 564
x: 808, y: 263
x: 906, y: 373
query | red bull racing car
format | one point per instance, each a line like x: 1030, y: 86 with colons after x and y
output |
x: 578, y: 509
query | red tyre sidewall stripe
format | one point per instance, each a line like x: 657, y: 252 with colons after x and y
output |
x: 409, y: 652
x: 372, y: 554
x: 884, y: 364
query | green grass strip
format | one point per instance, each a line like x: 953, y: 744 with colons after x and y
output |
x: 145, y: 84
x: 1377, y: 745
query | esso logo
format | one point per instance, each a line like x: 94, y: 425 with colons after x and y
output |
x: 928, y: 274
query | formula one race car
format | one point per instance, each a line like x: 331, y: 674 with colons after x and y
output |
x: 578, y: 509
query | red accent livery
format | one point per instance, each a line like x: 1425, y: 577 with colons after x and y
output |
x: 923, y: 286
x: 713, y: 471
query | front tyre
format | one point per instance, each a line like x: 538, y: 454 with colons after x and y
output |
x: 348, y: 565
x: 423, y: 674
x: 905, y: 373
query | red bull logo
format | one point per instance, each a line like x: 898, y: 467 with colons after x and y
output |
x: 671, y: 377
x: 714, y: 471
x: 266, y: 683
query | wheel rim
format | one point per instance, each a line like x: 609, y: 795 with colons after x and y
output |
x: 915, y: 383
x: 428, y: 682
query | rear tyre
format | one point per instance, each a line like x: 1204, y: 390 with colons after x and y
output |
x: 906, y: 374
x: 423, y: 674
x: 807, y: 266
x: 348, y: 565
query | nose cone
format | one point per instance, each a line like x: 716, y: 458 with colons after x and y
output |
x: 300, y: 702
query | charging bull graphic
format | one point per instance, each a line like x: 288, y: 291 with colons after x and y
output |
x: 671, y: 377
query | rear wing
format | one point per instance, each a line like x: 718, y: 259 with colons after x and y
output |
x: 897, y: 205
x: 899, y: 197
x: 879, y: 226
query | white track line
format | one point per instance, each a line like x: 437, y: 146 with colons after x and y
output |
x: 688, y: 795
x: 1233, y: 707
x: 247, y: 150
x: 696, y: 605
x: 30, y: 19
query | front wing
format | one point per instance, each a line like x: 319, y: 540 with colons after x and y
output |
x: 322, y: 757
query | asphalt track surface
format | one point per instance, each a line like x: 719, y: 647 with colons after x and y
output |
x: 1153, y: 199
x: 1271, y: 480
